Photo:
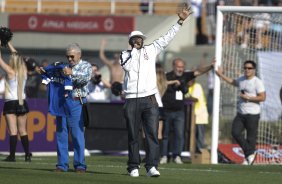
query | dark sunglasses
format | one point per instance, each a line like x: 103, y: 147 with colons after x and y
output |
x: 70, y: 56
x: 248, y: 68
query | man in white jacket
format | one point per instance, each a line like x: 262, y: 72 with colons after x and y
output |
x: 140, y: 87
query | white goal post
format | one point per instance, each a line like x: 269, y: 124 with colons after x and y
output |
x: 238, y: 39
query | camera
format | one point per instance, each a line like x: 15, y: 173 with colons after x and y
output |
x: 116, y: 88
x: 96, y: 79
x: 183, y: 86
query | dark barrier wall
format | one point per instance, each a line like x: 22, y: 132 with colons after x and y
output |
x: 107, y: 130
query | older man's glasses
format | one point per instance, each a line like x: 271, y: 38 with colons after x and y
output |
x: 70, y: 56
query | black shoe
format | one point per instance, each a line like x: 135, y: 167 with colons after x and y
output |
x: 28, y: 157
x: 10, y: 159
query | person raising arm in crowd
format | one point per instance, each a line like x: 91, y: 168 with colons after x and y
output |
x: 116, y: 71
x: 252, y: 92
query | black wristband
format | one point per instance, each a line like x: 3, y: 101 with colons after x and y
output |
x: 180, y: 22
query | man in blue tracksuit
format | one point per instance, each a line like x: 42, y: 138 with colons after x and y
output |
x: 72, y: 121
x: 80, y: 72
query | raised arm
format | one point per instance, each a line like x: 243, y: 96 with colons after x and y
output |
x: 162, y: 42
x: 11, y: 48
x: 102, y: 55
x: 183, y: 12
x: 222, y: 76
x: 10, y: 72
x: 106, y: 84
x: 204, y: 69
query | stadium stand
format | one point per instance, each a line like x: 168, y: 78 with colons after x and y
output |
x: 94, y: 8
x: 20, y: 6
x: 87, y: 7
x: 57, y: 7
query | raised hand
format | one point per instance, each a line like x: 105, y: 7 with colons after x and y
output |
x: 184, y: 11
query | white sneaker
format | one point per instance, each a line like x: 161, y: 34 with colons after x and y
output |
x: 134, y: 173
x: 163, y: 160
x: 153, y: 172
x: 178, y: 160
x: 245, y: 162
x: 251, y: 158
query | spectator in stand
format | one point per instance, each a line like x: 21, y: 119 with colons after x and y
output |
x: 173, y: 101
x: 15, y: 107
x: 229, y: 2
x: 210, y: 8
x: 97, y: 86
x: 197, y: 12
x: 144, y: 6
x: 251, y: 93
x: 248, y: 2
x: 196, y: 93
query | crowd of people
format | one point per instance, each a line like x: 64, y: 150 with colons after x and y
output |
x: 153, y: 99
x: 205, y: 14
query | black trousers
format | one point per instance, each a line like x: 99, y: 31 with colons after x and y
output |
x: 136, y: 111
x: 248, y: 122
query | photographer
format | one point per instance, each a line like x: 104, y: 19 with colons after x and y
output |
x: 33, y: 78
x: 97, y: 86
x: 173, y: 102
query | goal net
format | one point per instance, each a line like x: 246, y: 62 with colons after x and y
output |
x: 249, y: 33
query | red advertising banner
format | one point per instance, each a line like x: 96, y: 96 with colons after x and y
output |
x: 71, y: 24
x: 266, y: 154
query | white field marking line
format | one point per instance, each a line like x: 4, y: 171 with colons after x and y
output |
x: 22, y: 159
x: 265, y: 172
x: 119, y: 166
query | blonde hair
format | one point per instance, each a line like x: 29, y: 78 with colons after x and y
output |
x: 17, y: 63
x: 161, y: 79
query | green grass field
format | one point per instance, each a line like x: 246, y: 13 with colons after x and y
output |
x: 112, y: 169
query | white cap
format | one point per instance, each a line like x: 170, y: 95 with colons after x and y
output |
x: 137, y: 33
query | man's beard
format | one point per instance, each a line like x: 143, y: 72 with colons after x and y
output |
x: 179, y: 74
